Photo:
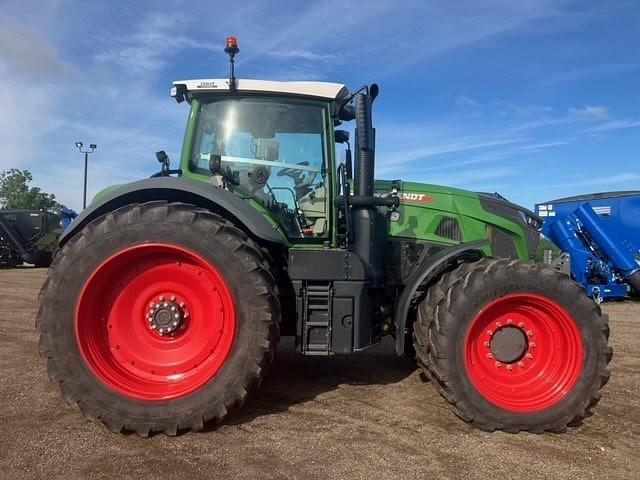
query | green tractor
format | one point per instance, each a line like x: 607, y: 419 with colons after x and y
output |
x: 164, y: 305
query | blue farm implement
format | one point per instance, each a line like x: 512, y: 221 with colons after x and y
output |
x: 601, y: 235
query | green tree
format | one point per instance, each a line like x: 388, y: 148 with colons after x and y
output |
x: 15, y: 192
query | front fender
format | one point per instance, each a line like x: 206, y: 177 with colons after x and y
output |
x: 173, y: 189
x: 429, y: 269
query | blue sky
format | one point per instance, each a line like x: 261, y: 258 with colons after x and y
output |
x: 533, y: 99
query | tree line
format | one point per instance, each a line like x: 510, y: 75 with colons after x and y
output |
x: 15, y: 192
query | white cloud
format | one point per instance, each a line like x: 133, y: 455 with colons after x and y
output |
x: 616, y: 125
x: 589, y: 112
x: 158, y: 37
x: 464, y: 101
x: 23, y: 53
x: 605, y: 182
x: 546, y: 145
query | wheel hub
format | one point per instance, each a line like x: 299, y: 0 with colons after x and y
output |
x: 165, y: 316
x: 508, y: 344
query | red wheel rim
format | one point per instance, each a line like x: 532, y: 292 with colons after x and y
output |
x: 135, y: 294
x: 551, y: 360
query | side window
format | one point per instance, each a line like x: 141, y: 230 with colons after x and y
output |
x: 207, y: 147
x: 301, y: 184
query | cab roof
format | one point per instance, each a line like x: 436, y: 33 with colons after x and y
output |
x: 325, y: 90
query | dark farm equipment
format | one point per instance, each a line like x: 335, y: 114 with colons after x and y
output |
x: 163, y: 308
x: 599, y: 235
x: 30, y: 236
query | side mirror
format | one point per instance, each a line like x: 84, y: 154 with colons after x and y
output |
x: 341, y: 136
x: 347, y: 113
x: 162, y: 157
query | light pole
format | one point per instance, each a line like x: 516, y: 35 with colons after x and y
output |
x: 93, y: 146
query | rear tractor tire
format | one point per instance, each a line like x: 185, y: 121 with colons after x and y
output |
x: 513, y: 346
x: 158, y: 317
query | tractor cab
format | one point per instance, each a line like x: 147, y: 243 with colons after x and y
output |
x: 267, y: 141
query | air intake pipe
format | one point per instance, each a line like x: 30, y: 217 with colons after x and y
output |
x: 369, y: 225
x: 366, y: 146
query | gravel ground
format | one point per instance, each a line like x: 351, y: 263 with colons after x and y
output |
x: 368, y: 415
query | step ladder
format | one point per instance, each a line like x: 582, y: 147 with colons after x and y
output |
x: 316, y: 320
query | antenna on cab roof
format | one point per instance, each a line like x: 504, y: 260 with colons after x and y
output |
x: 232, y: 49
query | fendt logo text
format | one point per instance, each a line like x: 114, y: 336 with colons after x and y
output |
x: 415, y: 197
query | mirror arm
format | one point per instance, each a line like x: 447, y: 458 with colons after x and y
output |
x: 345, y: 195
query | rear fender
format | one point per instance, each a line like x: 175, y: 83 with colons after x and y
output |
x: 195, y: 192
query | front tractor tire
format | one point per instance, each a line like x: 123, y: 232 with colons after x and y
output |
x: 513, y: 346
x: 158, y: 317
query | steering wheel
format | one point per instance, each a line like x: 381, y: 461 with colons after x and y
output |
x: 301, y: 180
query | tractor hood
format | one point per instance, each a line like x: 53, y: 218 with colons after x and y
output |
x: 449, y: 215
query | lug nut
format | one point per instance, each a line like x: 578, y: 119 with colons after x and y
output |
x: 521, y: 364
x: 489, y: 355
x: 173, y: 298
x: 509, y: 367
x: 532, y: 344
x: 490, y: 332
x: 486, y: 344
x: 529, y: 356
x: 529, y: 333
x: 498, y: 365
x: 521, y: 324
x: 509, y: 321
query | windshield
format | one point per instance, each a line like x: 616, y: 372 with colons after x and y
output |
x: 276, y: 150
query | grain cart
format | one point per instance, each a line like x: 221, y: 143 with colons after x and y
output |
x: 30, y: 236
x: 599, y: 235
x: 164, y: 306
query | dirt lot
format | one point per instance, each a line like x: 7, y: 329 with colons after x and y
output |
x: 370, y: 415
